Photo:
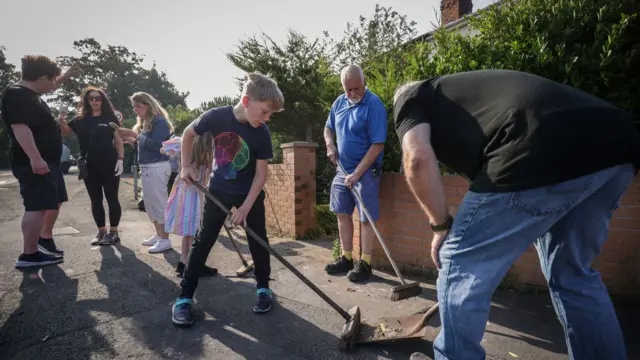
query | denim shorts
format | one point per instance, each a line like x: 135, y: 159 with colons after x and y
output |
x: 343, y: 201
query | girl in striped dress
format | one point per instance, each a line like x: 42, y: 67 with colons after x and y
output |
x: 184, y: 207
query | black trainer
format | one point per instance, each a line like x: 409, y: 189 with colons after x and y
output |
x: 340, y: 266
x: 37, y: 259
x: 180, y: 269
x: 181, y: 312
x: 360, y: 272
x: 109, y: 239
x: 48, y: 246
x: 264, y: 301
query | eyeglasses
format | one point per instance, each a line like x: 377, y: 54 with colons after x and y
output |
x: 95, y: 98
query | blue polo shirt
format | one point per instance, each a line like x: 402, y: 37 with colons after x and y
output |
x: 357, y: 127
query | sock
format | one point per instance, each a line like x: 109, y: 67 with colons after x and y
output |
x: 366, y: 258
x: 41, y: 238
x: 264, y: 290
x: 347, y: 254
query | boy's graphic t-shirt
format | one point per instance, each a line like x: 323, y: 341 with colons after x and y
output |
x: 237, y: 147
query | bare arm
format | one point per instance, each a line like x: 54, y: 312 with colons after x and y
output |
x: 369, y: 158
x: 24, y: 136
x: 117, y: 140
x: 423, y: 173
x: 257, y: 185
x: 328, y: 137
x: 186, y: 147
x: 73, y: 71
x: 64, y: 128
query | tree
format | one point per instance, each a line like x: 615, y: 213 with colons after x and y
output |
x: 119, y: 72
x: 385, y: 31
x: 303, y: 69
x: 589, y: 44
x: 183, y: 116
x: 7, y: 76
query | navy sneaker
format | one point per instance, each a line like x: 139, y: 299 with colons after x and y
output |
x: 181, y: 312
x: 264, y: 301
x: 48, y: 246
x: 36, y: 259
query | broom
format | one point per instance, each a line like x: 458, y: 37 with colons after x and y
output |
x: 351, y: 327
x: 405, y: 290
x: 246, y: 266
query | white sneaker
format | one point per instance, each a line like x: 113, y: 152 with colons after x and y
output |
x: 151, y: 241
x: 160, y: 246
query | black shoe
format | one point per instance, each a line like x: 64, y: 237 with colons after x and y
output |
x: 264, y: 301
x: 181, y: 312
x: 418, y: 356
x: 360, y: 272
x: 96, y: 240
x: 48, y: 246
x: 208, y: 271
x: 109, y: 239
x: 340, y: 266
x: 180, y: 269
x: 37, y: 259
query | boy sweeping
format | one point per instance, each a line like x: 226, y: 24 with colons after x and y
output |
x: 242, y: 147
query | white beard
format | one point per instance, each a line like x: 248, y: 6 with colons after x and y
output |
x: 353, y: 102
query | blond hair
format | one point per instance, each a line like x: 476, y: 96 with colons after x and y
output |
x: 262, y: 88
x: 154, y: 110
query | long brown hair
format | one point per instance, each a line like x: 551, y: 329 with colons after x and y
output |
x: 202, y: 154
x: 84, y: 109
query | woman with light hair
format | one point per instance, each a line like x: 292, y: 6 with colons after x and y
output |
x: 153, y: 127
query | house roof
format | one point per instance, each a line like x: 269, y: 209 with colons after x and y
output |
x: 453, y: 25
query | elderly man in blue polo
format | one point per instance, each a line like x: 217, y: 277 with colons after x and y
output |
x: 358, y: 123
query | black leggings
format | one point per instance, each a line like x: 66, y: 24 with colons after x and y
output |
x: 207, y: 234
x: 97, y: 182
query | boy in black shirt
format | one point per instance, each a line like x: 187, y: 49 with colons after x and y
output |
x: 36, y: 149
x: 242, y: 148
x: 547, y: 165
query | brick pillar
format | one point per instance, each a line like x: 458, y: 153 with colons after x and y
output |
x: 302, y: 156
x: 452, y: 10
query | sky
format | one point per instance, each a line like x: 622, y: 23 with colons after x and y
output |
x: 188, y: 39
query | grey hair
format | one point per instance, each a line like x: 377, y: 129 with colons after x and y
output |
x: 351, y: 71
x: 402, y: 89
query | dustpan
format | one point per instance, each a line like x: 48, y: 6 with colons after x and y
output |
x: 395, y: 329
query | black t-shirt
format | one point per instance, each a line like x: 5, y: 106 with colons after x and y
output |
x: 510, y: 131
x: 95, y: 138
x: 20, y: 105
x: 237, y: 147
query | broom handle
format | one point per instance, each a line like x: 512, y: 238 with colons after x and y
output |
x: 265, y: 245
x: 373, y: 225
x: 235, y: 246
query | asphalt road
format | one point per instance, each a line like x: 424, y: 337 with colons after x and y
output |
x: 115, y: 302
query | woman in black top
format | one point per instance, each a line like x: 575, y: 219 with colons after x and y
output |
x: 103, y: 150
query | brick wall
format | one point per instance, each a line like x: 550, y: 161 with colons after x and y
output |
x: 406, y: 232
x: 291, y: 191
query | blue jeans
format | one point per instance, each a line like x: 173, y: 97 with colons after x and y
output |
x: 342, y: 200
x: 568, y: 224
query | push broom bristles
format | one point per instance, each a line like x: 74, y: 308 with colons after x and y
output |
x: 245, y: 268
x: 350, y: 331
x: 405, y: 291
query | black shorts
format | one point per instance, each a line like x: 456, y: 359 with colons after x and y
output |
x: 41, y: 192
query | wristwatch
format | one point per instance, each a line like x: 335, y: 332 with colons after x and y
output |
x: 445, y: 226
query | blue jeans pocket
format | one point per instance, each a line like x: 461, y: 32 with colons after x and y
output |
x: 552, y: 199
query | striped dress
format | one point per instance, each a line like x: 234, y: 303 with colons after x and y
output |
x: 184, y: 208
